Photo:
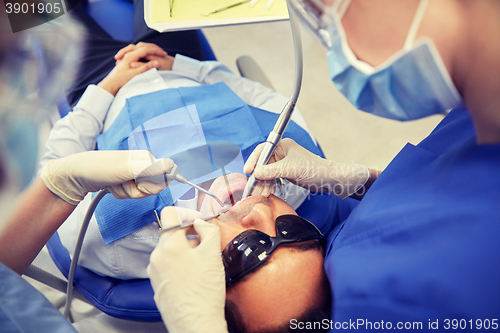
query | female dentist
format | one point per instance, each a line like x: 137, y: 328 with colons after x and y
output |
x: 34, y: 65
x: 421, y: 247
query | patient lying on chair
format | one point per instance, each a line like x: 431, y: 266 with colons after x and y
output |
x: 170, y: 112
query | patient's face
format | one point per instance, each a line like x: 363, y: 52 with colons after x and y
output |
x: 289, y: 282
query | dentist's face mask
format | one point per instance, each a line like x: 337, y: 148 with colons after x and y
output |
x: 35, y: 65
x: 412, y: 84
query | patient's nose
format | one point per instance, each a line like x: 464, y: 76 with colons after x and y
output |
x: 261, y: 218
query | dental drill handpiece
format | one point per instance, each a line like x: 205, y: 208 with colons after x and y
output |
x: 172, y: 174
x: 270, y: 144
x: 280, y: 126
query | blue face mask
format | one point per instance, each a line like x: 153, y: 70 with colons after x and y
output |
x: 412, y: 84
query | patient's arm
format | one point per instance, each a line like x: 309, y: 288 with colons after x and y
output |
x: 253, y: 93
x: 124, y: 72
x: 210, y: 72
x: 77, y: 132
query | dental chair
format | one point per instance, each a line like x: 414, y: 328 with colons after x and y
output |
x: 133, y: 299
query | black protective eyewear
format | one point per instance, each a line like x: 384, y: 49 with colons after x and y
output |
x: 252, y: 247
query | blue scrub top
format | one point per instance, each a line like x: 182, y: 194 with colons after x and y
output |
x: 423, y: 244
x: 25, y: 309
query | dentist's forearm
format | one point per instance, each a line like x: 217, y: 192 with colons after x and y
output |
x: 37, y: 216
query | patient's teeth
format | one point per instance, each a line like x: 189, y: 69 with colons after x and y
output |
x: 225, y: 208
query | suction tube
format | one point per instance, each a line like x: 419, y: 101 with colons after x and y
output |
x: 284, y: 118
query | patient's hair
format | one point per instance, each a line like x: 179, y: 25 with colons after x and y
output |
x: 317, y: 313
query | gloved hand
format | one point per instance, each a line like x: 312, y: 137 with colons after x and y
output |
x: 72, y: 177
x: 189, y: 281
x: 264, y: 187
x: 300, y: 166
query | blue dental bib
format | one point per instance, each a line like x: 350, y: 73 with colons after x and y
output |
x: 176, y: 121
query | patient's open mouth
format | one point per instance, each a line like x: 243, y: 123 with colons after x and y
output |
x: 229, y: 189
x: 234, y: 198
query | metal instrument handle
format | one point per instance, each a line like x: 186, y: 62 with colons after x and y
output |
x: 167, y: 177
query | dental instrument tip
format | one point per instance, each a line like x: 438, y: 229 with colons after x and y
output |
x: 224, y: 209
x: 252, y: 181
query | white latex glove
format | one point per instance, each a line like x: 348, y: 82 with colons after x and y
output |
x: 72, y: 177
x: 264, y: 187
x: 300, y: 166
x: 189, y: 281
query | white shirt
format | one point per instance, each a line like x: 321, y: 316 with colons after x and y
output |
x: 128, y: 257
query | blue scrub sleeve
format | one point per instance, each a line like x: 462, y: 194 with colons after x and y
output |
x: 25, y: 309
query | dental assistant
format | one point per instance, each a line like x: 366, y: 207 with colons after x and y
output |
x: 421, y: 245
